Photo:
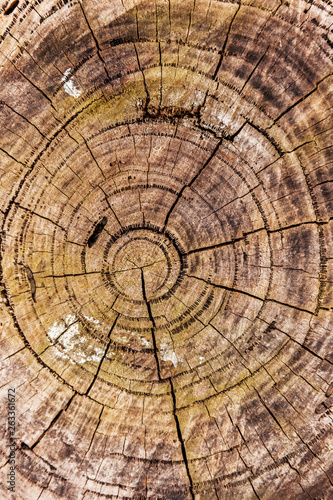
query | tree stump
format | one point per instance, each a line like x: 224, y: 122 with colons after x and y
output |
x: 166, y: 249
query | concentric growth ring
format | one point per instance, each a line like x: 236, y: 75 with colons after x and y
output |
x: 166, y: 262
x: 144, y: 265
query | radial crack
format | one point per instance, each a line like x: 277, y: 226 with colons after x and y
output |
x: 211, y: 156
x: 96, y: 42
x: 225, y: 43
x: 53, y: 422
x: 103, y: 357
x: 151, y: 317
x: 180, y: 438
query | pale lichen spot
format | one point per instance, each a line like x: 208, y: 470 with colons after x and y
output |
x: 168, y: 354
x: 66, y: 336
x: 69, y: 85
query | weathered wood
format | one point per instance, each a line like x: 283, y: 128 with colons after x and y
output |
x: 97, y: 231
x: 166, y: 249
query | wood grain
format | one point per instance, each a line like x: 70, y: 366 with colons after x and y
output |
x: 166, y: 248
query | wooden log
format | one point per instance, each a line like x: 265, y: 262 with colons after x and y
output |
x: 166, y: 249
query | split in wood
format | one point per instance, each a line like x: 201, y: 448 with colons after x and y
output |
x: 31, y: 280
x: 97, y: 231
x: 11, y: 7
x: 329, y: 391
x: 325, y: 405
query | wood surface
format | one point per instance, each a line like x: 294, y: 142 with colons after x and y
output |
x: 167, y: 248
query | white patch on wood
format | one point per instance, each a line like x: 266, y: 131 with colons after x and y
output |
x: 59, y: 327
x: 69, y: 85
x: 168, y: 354
x: 92, y: 320
x: 56, y: 330
x: 72, y: 344
x: 145, y: 342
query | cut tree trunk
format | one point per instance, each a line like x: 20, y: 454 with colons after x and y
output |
x: 166, y: 249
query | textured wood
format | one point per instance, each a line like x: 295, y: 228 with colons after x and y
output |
x: 166, y: 248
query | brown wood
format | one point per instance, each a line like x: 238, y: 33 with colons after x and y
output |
x: 167, y: 249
